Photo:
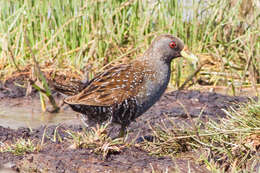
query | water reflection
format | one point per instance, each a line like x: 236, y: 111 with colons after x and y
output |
x: 15, y: 113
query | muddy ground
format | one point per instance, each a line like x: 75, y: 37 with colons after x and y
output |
x: 57, y: 156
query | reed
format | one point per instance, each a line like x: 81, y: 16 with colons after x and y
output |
x: 72, y: 35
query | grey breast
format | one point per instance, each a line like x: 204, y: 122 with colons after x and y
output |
x: 154, y: 88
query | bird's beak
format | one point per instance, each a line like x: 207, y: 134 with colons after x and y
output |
x: 189, y: 56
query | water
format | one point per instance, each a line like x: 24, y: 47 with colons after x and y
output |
x: 15, y: 113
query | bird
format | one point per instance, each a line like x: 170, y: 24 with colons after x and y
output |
x: 124, y: 92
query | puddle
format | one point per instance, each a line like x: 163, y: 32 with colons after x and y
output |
x: 20, y: 112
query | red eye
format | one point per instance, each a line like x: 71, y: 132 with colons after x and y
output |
x: 172, y: 44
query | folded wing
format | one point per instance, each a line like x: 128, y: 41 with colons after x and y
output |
x: 112, y: 86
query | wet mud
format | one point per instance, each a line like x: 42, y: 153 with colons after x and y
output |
x: 11, y: 88
x: 56, y: 156
x: 59, y: 157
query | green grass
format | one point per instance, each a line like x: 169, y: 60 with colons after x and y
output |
x: 20, y: 147
x: 231, y: 143
x: 73, y: 35
x: 97, y: 140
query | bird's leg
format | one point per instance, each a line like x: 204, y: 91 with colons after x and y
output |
x: 122, y: 131
x: 84, y: 120
x: 109, y: 125
x: 112, y: 113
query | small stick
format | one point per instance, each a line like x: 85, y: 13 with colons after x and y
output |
x: 39, y: 73
x: 191, y: 76
x: 13, y: 59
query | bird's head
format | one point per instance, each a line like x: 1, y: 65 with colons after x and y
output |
x: 167, y: 47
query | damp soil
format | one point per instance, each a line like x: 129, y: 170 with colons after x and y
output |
x: 56, y: 156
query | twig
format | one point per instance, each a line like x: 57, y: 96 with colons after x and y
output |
x: 13, y: 59
x: 39, y: 74
x: 191, y: 76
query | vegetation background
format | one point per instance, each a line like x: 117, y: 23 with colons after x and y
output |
x: 77, y: 36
